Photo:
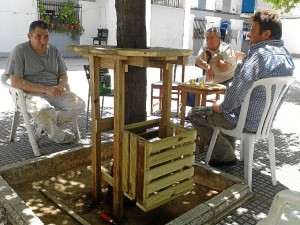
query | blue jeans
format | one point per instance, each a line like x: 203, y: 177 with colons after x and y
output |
x: 190, y: 100
x: 204, y: 119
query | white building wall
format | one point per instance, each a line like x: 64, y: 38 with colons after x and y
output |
x: 15, y: 18
x: 211, y: 4
x: 290, y: 35
x: 98, y: 14
x: 167, y: 26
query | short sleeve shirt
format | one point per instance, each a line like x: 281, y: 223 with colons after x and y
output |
x: 45, y: 70
x: 226, y: 53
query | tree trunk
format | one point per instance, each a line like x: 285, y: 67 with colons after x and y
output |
x: 131, y: 33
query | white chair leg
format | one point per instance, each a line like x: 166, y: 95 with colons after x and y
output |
x: 241, y: 150
x: 248, y: 148
x: 272, y: 158
x: 14, y: 126
x: 76, y: 130
x: 212, y: 144
x: 32, y: 140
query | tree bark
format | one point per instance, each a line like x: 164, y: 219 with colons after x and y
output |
x: 131, y: 33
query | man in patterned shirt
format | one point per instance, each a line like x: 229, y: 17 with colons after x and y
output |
x: 267, y: 57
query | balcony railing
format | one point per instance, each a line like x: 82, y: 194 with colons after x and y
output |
x: 168, y: 3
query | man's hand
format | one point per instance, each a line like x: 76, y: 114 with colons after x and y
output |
x: 53, y: 91
x: 210, y: 74
x: 216, y: 107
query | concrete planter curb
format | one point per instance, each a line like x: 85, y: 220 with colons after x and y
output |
x: 65, y: 160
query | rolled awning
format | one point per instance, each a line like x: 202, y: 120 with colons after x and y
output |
x: 199, y: 28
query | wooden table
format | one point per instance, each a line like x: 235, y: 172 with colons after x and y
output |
x: 118, y: 59
x: 200, y: 92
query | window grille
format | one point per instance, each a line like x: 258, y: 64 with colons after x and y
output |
x: 53, y: 8
x: 169, y: 3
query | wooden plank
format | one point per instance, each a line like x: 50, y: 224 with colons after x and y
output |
x: 62, y: 206
x: 171, y: 154
x: 138, y: 61
x: 133, y: 165
x: 107, y: 177
x: 107, y: 62
x: 166, y: 100
x: 104, y: 124
x: 126, y: 159
x: 153, y: 52
x: 179, y: 127
x: 140, y: 174
x: 167, y: 195
x: 189, y: 136
x: 119, y: 121
x: 96, y: 136
x: 169, y: 181
x: 149, y: 134
x: 168, y: 168
x: 135, y: 127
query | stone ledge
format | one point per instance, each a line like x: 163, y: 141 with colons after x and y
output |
x: 17, y: 211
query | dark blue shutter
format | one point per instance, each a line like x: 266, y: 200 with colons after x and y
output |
x: 248, y: 6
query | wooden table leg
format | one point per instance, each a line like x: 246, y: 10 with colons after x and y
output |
x: 183, y: 106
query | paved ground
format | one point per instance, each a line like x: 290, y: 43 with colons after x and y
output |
x: 286, y: 128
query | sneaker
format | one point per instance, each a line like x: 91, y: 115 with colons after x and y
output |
x: 215, y: 162
x: 69, y: 138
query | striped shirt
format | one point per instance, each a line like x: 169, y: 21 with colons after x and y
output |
x: 45, y: 70
x: 264, y: 59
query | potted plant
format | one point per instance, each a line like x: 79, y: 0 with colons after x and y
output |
x: 73, y: 20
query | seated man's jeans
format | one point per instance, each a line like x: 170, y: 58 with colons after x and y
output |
x: 53, y: 113
x: 190, y: 100
x: 203, y: 119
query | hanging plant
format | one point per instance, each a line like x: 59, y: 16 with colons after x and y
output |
x: 66, y: 20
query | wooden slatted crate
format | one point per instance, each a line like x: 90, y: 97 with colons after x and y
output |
x: 157, y: 169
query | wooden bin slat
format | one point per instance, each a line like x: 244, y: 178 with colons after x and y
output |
x: 149, y: 134
x: 133, y: 165
x: 166, y: 195
x: 178, y: 127
x: 168, y: 142
x: 125, y: 163
x: 168, y: 168
x: 137, y: 127
x: 170, y: 154
x: 168, y: 181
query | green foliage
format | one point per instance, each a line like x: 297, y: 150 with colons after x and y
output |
x: 285, y: 5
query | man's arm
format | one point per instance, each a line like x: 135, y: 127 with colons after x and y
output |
x: 216, y: 106
x: 27, y: 86
x: 205, y: 66
x: 62, y: 82
x: 221, y: 64
x: 202, y: 63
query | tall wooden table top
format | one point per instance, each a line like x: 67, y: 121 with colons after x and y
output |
x: 119, y: 59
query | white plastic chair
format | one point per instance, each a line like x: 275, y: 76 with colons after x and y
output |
x: 263, y: 132
x: 21, y: 108
x: 285, y: 209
